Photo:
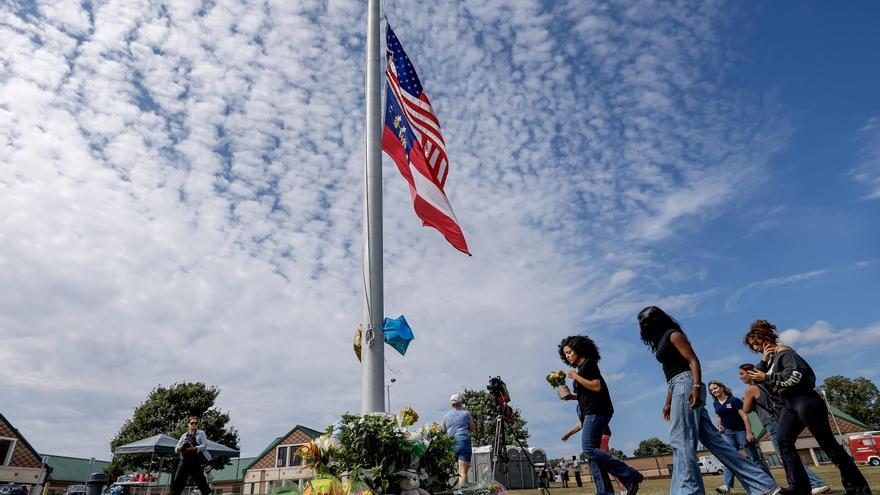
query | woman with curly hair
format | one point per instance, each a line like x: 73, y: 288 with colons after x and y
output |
x: 690, y: 422
x: 594, y: 413
x: 787, y: 375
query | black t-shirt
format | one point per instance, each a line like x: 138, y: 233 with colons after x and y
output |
x: 589, y: 402
x: 672, y: 360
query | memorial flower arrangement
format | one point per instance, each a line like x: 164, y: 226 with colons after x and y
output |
x: 556, y: 379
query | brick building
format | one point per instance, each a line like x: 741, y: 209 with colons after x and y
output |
x: 19, y: 462
x: 279, y: 462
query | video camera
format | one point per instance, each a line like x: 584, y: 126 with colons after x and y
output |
x: 499, y: 392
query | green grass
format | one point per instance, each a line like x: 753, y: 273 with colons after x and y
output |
x: 661, y: 486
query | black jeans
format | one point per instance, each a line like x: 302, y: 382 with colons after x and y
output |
x: 807, y: 409
x: 187, y: 468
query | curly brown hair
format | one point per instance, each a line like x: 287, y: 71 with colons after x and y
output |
x: 761, y: 330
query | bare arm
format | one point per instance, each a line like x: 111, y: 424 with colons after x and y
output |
x: 576, y: 428
x: 594, y: 385
x: 471, y: 424
x: 683, y: 346
x: 749, y: 398
x: 750, y: 437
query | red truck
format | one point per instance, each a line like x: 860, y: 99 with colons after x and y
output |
x: 866, y: 447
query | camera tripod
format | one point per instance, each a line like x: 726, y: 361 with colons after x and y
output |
x: 499, y: 453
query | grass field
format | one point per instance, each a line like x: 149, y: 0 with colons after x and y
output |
x: 661, y: 486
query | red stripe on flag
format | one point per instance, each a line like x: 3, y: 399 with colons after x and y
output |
x: 430, y: 215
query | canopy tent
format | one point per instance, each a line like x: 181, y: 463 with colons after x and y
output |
x: 162, y: 444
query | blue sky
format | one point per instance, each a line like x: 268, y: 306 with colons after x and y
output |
x: 182, y: 187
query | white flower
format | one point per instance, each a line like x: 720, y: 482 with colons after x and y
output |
x: 327, y: 443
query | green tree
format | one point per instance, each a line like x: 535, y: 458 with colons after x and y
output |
x: 857, y: 397
x: 652, y: 446
x: 481, y: 405
x: 167, y: 410
x: 617, y: 454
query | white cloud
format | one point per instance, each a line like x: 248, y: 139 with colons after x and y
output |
x: 820, y: 337
x: 181, y: 194
x: 867, y: 172
x: 761, y: 285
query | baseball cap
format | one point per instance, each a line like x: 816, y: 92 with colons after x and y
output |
x: 455, y: 398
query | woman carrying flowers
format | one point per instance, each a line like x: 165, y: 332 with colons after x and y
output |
x: 594, y: 413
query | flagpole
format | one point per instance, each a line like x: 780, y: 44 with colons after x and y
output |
x: 373, y: 343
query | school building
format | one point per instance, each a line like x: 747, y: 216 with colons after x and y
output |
x: 279, y: 462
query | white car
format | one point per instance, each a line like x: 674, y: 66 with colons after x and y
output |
x: 709, y: 464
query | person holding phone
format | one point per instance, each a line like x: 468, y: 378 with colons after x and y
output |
x: 768, y: 406
x: 788, y: 375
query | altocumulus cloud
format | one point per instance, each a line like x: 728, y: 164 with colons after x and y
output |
x: 180, y: 185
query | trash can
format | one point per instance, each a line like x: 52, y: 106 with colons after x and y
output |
x: 95, y: 483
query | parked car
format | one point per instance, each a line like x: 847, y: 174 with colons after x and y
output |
x: 710, y: 465
x: 75, y: 490
x: 13, y: 490
x: 866, y: 447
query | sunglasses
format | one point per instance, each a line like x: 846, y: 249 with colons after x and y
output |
x: 193, y: 422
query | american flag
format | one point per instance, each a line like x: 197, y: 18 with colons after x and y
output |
x: 411, y: 137
x: 405, y: 82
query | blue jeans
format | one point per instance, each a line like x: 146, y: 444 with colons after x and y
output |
x: 601, y: 462
x: 815, y: 480
x: 738, y: 440
x: 688, y: 426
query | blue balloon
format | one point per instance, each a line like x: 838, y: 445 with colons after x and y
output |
x: 398, y: 334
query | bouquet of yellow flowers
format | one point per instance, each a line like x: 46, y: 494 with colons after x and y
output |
x: 556, y: 379
x: 408, y: 416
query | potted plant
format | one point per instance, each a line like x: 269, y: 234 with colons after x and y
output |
x: 556, y: 379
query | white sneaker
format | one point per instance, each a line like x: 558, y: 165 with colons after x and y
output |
x: 723, y: 489
x: 775, y: 491
x: 820, y: 489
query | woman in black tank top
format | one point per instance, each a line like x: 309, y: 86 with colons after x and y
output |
x: 690, y: 423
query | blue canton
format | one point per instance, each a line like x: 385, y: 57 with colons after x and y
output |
x: 406, y: 73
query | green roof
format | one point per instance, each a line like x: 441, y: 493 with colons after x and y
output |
x: 842, y: 415
x: 73, y: 469
x: 233, y: 471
